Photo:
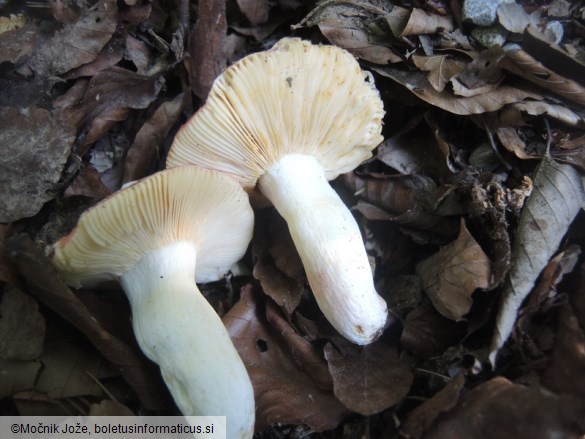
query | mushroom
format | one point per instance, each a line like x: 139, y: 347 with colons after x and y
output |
x: 286, y: 121
x: 157, y: 236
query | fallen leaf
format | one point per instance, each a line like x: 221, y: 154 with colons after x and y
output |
x: 421, y: 418
x: 522, y: 64
x: 441, y: 68
x: 501, y: 409
x: 77, y: 43
x: 256, y: 11
x: 17, y: 45
x: 149, y: 139
x: 537, y: 108
x: 88, y: 183
x: 452, y: 275
x: 426, y: 333
x: 418, y: 84
x: 557, y: 197
x: 368, y: 379
x: 278, y: 266
x: 68, y: 365
x: 351, y: 25
x: 284, y: 393
x: 35, y: 143
x: 564, y: 374
x: 111, y: 54
x: 407, y: 198
x: 22, y: 326
x: 552, y: 55
x: 17, y: 375
x: 421, y: 22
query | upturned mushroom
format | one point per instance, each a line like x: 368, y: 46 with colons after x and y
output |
x: 286, y: 121
x: 157, y: 236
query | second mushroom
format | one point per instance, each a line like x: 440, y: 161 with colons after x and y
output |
x: 157, y: 236
x: 286, y: 121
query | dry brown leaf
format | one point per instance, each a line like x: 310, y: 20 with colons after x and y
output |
x: 419, y: 85
x: 256, y: 11
x: 441, y: 68
x: 17, y: 45
x: 565, y: 373
x: 452, y: 275
x: 284, y: 393
x: 42, y: 281
x: 500, y: 409
x: 207, y: 59
x: 510, y: 139
x: 421, y: 418
x: 522, y: 64
x: 563, y: 62
x: 107, y: 100
x: 278, y: 265
x: 557, y: 197
x: 404, y: 199
x: 421, y: 22
x: 368, y: 379
x: 68, y: 367
x: 538, y: 108
x: 17, y: 375
x: 148, y: 141
x: 351, y: 25
x: 88, y: 183
x: 426, y: 333
x: 139, y: 53
x: 109, y: 56
x: 414, y: 151
x: 483, y: 70
x: 77, y: 43
x: 22, y: 326
x: 35, y: 143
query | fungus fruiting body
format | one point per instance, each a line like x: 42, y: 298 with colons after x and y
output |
x: 156, y: 237
x: 286, y: 121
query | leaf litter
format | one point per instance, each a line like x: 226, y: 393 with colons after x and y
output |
x: 472, y: 202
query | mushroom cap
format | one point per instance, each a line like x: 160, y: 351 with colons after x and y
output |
x: 296, y: 98
x: 188, y: 203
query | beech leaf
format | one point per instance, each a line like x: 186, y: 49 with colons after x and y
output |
x: 419, y: 85
x: 284, y: 392
x: 368, y: 379
x: 452, y: 275
x: 557, y: 197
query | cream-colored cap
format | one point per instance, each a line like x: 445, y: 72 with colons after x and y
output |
x: 296, y: 98
x: 188, y: 203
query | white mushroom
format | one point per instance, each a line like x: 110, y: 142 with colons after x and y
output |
x: 156, y: 237
x: 288, y: 120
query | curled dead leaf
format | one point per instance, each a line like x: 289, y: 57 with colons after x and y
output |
x: 452, y: 275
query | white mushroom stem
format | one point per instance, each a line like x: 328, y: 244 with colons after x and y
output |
x: 329, y: 242
x: 177, y: 329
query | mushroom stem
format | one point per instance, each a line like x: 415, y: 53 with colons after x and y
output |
x: 330, y: 245
x: 177, y: 328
